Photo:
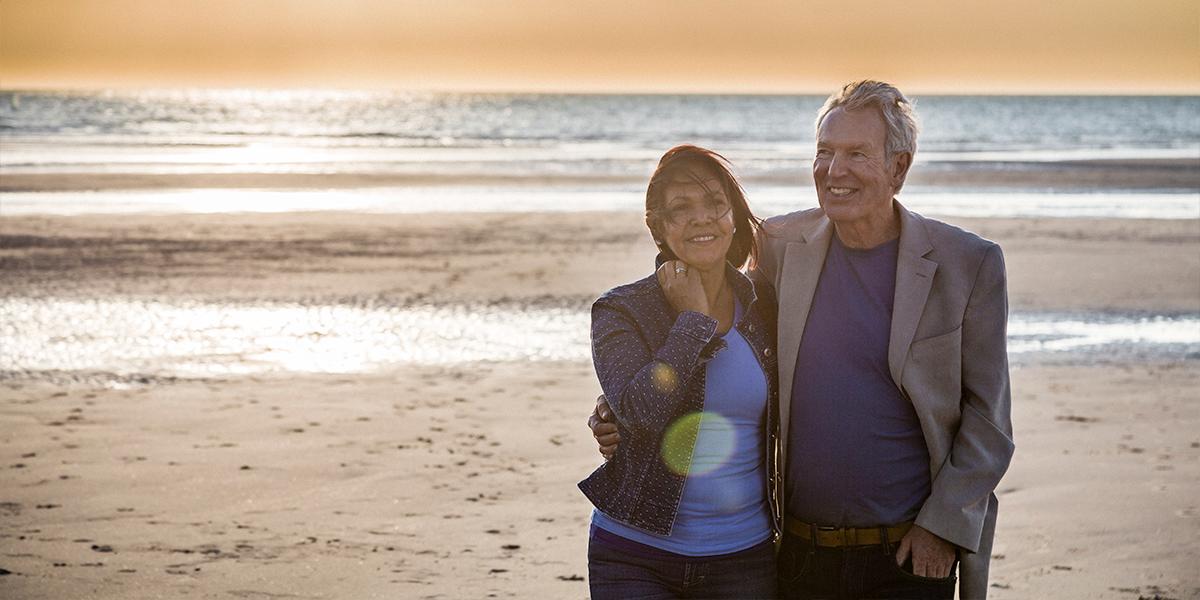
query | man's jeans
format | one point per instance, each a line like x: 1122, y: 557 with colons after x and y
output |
x: 615, y: 573
x: 808, y: 573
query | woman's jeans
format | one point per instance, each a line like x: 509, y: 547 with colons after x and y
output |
x: 614, y: 573
x: 808, y: 573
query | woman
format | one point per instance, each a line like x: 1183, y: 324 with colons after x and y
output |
x: 684, y: 358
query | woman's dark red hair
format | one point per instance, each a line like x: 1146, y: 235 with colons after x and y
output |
x: 688, y: 161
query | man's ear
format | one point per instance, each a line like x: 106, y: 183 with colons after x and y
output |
x: 900, y: 163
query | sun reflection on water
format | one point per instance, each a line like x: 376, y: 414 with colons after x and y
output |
x: 197, y: 339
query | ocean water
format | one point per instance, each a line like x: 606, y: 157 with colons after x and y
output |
x: 559, y: 152
x: 540, y: 135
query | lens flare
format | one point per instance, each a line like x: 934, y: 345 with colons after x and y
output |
x: 664, y: 378
x: 697, y: 443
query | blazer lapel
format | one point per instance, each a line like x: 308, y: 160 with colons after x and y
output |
x: 802, y: 263
x: 914, y: 278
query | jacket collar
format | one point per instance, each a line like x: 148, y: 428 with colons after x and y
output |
x: 914, y: 280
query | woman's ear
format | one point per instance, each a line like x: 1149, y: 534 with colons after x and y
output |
x: 650, y: 224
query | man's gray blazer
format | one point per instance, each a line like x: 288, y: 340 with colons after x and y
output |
x: 947, y: 353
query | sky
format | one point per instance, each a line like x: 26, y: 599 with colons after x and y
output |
x: 744, y: 46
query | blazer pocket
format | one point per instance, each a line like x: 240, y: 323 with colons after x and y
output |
x: 938, y: 344
x: 933, y: 374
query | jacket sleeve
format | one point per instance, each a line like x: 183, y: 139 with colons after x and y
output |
x: 643, y: 384
x: 983, y: 446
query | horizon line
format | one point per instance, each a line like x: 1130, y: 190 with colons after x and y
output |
x: 632, y: 91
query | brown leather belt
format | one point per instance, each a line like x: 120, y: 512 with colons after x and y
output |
x: 829, y: 537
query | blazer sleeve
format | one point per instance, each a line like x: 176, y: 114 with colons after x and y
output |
x: 765, y: 267
x: 983, y: 446
x: 643, y: 384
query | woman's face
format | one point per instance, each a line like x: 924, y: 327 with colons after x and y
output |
x: 696, y: 219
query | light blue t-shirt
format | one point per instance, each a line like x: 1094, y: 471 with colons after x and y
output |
x: 724, y: 504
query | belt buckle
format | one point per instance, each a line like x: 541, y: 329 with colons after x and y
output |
x: 835, y: 535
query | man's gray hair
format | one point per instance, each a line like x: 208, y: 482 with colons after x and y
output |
x: 897, y: 111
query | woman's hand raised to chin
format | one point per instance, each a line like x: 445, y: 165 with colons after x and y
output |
x: 683, y: 287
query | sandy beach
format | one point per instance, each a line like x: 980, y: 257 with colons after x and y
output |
x: 459, y: 481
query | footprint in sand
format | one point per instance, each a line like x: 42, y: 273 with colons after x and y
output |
x: 1076, y: 418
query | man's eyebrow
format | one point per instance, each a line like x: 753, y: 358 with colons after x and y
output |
x: 853, y: 146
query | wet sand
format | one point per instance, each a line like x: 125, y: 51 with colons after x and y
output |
x: 561, y: 258
x: 459, y: 481
x: 1105, y: 174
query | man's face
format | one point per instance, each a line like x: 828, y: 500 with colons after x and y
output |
x: 855, y: 180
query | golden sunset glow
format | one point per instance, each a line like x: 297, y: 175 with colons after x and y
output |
x: 1094, y: 46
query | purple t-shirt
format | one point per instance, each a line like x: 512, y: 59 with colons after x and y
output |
x: 856, y: 454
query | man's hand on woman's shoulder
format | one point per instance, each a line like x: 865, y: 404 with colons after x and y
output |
x: 604, y: 428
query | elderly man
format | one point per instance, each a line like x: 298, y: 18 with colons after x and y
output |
x: 894, y: 388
